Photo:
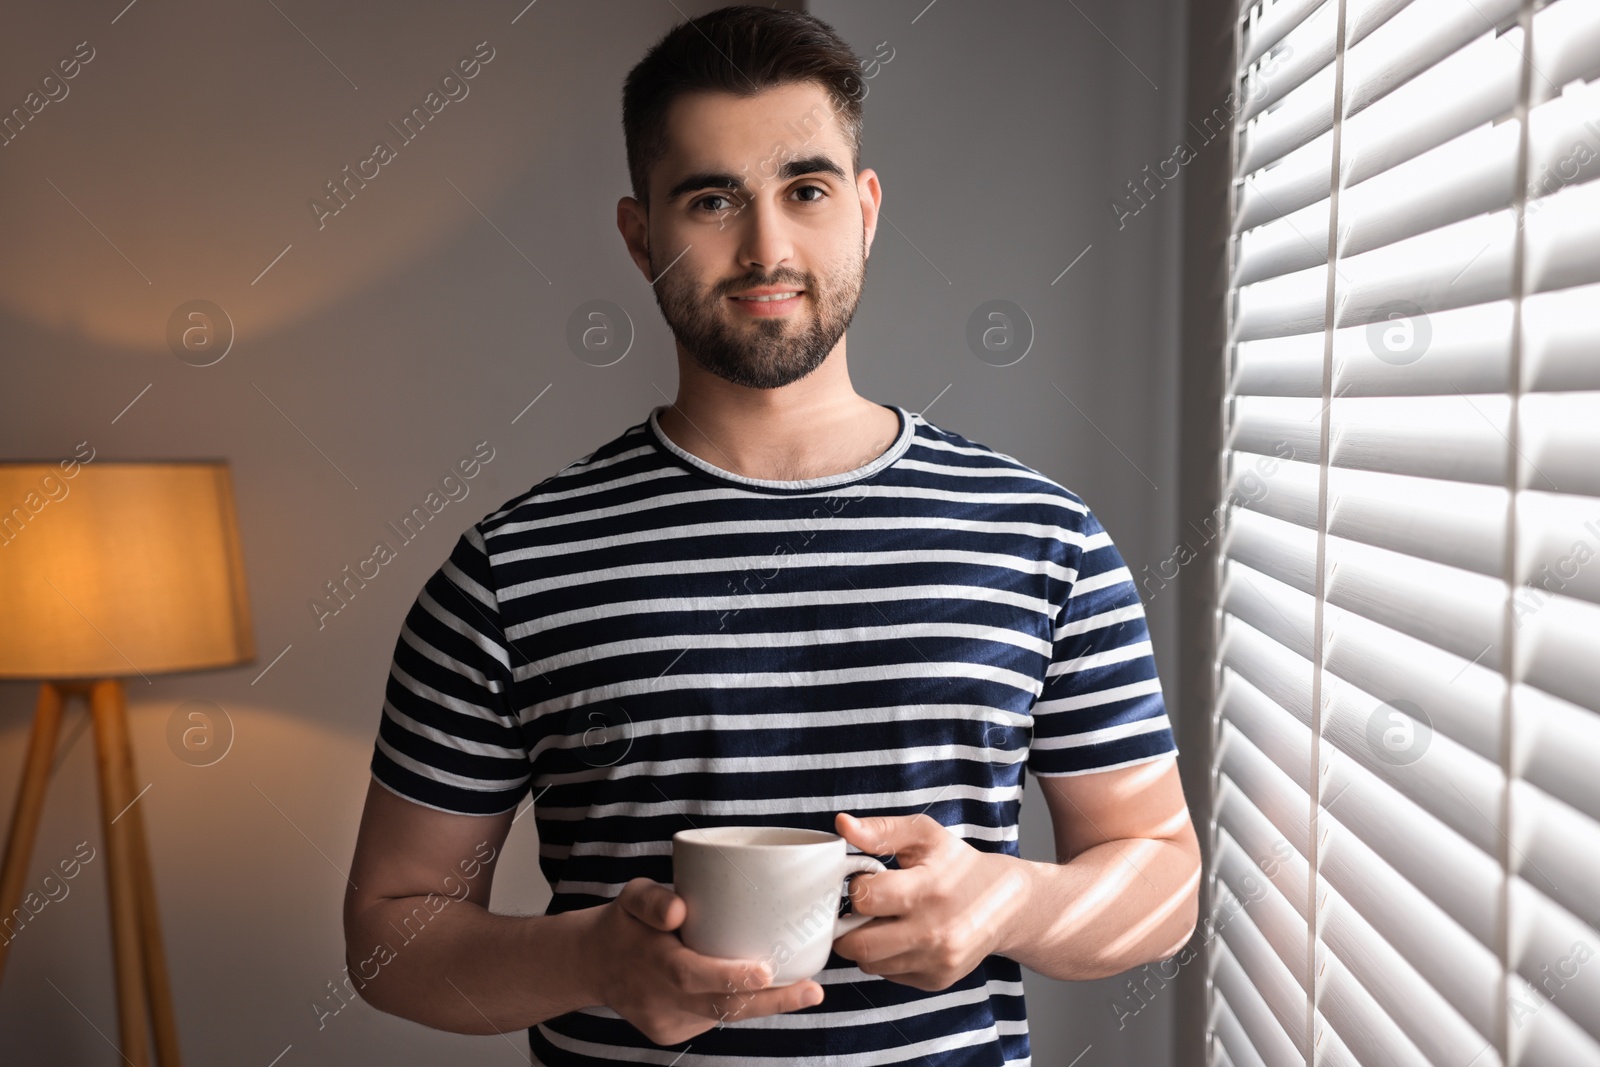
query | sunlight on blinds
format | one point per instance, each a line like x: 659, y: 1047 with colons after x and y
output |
x: 1405, y: 838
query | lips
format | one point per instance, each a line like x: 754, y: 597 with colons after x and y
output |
x: 762, y: 296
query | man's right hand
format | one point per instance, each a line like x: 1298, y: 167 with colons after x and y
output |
x: 669, y: 992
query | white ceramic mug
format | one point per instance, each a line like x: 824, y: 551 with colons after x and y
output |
x: 769, y: 893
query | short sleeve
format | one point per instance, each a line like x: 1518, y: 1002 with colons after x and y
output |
x: 449, y: 738
x: 1102, y: 706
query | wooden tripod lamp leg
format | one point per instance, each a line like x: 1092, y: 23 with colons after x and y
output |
x: 25, y: 817
x: 154, y: 953
x: 113, y: 758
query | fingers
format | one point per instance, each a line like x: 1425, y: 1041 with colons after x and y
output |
x: 877, y: 941
x: 886, y: 892
x: 734, y: 1006
x: 690, y: 972
x: 652, y: 904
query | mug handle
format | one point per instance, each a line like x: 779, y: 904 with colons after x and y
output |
x: 859, y: 863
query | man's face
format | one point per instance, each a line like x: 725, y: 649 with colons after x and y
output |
x: 756, y: 194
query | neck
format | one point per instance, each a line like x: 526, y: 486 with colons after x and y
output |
x: 811, y: 428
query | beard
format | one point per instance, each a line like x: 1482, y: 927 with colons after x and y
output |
x: 760, y: 353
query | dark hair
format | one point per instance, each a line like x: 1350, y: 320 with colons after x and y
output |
x: 742, y: 50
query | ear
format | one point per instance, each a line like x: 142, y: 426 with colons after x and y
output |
x: 633, y: 222
x: 870, y: 192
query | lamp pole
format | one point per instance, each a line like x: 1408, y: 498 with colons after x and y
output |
x: 144, y: 995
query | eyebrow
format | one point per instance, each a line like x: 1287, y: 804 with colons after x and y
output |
x: 794, y: 168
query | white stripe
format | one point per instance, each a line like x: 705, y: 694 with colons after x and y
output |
x: 433, y: 774
x: 770, y: 808
x: 995, y: 470
x: 791, y: 639
x: 802, y: 598
x: 784, y: 528
x: 792, y: 761
x: 451, y: 621
x: 449, y: 663
x: 902, y: 1053
x: 1102, y: 619
x: 912, y: 1009
x: 621, y: 849
x: 431, y: 695
x: 448, y: 740
x: 921, y: 669
x: 697, y: 495
x: 1137, y: 728
x: 809, y: 561
x: 1137, y: 650
x: 1098, y: 697
x: 668, y: 725
x: 1104, y: 580
x: 1173, y: 754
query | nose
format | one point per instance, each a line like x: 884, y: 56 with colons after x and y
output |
x: 765, y: 240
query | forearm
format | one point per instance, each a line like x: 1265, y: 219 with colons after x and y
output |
x: 1111, y: 908
x: 468, y: 971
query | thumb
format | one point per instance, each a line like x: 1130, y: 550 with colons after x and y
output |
x: 909, y: 838
x: 652, y: 904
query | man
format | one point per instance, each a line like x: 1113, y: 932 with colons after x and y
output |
x: 772, y: 602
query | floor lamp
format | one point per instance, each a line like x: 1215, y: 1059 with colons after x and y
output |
x: 111, y: 571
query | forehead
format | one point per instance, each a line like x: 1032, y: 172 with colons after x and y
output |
x: 720, y: 131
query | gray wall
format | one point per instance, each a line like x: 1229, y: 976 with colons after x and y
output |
x: 384, y: 345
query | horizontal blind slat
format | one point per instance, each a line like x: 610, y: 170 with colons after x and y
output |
x: 1463, y: 698
x: 1284, y: 678
x: 1550, y: 1039
x: 1559, y: 649
x: 1558, y: 547
x: 1285, y: 871
x: 1302, y: 52
x: 1456, y: 875
x: 1464, y: 971
x: 1284, y: 997
x: 1561, y: 441
x: 1268, y: 23
x: 1559, y: 853
x: 1274, y: 793
x: 1561, y: 334
x: 1395, y: 742
x: 1282, y: 550
x: 1451, y: 523
x: 1457, y: 351
x: 1473, y: 85
x: 1261, y: 1029
x: 1279, y: 922
x: 1353, y: 1013
x: 1233, y: 1047
x: 1555, y: 952
x: 1447, y: 607
x: 1457, y: 438
x: 1558, y: 746
x: 1277, y: 425
x: 1563, y: 230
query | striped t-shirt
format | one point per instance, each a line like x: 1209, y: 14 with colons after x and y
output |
x: 646, y: 642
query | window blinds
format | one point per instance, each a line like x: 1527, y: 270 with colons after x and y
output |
x: 1405, y: 841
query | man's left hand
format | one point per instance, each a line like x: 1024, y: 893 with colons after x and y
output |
x: 940, y: 914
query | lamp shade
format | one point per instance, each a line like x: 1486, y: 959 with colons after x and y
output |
x: 111, y: 569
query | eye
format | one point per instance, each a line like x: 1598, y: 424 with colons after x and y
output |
x: 816, y: 189
x: 702, y: 203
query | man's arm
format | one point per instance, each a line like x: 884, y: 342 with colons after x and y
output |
x: 1123, y: 891
x: 421, y: 943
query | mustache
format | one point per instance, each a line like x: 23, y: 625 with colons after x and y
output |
x: 796, y: 279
